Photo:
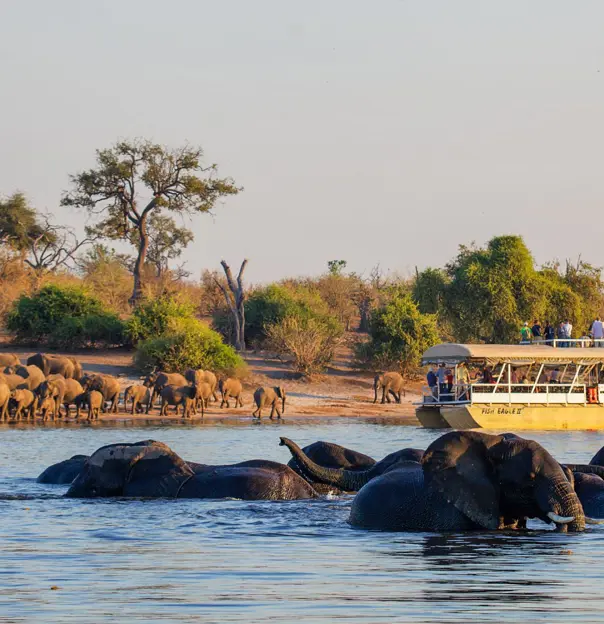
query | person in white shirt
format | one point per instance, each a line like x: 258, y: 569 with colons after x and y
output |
x: 597, y: 331
x: 568, y: 331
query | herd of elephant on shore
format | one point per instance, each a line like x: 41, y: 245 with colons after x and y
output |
x: 47, y: 384
x: 465, y: 480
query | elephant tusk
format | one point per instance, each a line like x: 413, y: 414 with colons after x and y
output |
x: 559, y: 519
x: 594, y: 520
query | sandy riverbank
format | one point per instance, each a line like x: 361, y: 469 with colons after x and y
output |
x: 341, y: 392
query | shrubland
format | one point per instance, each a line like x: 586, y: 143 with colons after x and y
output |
x: 67, y: 292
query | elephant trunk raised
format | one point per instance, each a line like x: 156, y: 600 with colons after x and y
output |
x: 348, y: 480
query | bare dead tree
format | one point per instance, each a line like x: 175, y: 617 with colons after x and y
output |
x: 54, y: 247
x: 235, y: 299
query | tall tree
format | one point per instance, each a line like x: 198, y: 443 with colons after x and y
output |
x: 167, y: 241
x: 134, y: 180
x: 492, y: 290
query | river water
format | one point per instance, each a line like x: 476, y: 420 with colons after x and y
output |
x: 235, y: 561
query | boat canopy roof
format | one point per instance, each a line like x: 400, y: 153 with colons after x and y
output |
x: 492, y: 354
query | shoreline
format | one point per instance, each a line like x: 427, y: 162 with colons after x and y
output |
x: 231, y: 418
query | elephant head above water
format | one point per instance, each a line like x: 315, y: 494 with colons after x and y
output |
x: 466, y: 480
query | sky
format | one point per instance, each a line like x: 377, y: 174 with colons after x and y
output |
x: 382, y: 132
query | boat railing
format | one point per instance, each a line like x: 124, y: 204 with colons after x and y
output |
x: 584, y: 342
x: 490, y: 393
x: 545, y: 394
x: 459, y: 393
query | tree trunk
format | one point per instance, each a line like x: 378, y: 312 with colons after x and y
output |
x: 137, y: 291
x: 235, y: 299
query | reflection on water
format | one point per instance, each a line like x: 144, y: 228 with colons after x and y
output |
x: 234, y: 561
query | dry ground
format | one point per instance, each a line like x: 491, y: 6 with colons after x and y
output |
x: 341, y: 391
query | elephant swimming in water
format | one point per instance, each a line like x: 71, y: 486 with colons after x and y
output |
x: 330, y: 455
x: 589, y: 484
x: 152, y: 470
x: 64, y: 472
x: 466, y: 480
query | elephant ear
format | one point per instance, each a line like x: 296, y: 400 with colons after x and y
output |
x: 459, y: 469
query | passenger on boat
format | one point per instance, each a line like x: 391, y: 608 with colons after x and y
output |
x: 549, y: 334
x: 449, y: 375
x: 463, y: 380
x: 568, y: 331
x: 487, y: 375
x: 536, y: 330
x: 514, y: 376
x: 597, y: 332
x: 432, y: 381
x: 442, y: 379
x: 525, y: 334
x: 555, y: 376
x: 561, y: 334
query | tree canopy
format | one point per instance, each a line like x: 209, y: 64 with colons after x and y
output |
x: 134, y: 180
x: 486, y: 294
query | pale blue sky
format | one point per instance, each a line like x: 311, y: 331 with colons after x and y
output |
x: 378, y: 132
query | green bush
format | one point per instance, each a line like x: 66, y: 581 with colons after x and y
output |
x: 398, y: 335
x: 151, y: 318
x: 310, y: 342
x: 270, y: 305
x: 188, y: 343
x: 37, y: 317
x: 103, y: 329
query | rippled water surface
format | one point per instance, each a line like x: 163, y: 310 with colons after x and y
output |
x: 234, y: 561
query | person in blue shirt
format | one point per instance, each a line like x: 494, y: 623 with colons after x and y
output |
x: 432, y: 381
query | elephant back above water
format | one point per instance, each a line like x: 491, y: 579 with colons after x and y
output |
x: 64, y: 472
x: 330, y: 455
x: 152, y: 469
x: 490, y: 481
x: 343, y: 468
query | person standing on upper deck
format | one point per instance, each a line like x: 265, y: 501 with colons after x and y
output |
x: 536, y: 330
x: 597, y: 331
x: 560, y: 334
x: 568, y: 331
x: 442, y: 379
x: 463, y: 380
x: 525, y: 334
x: 549, y: 333
x: 432, y: 381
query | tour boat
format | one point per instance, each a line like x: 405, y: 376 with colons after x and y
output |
x: 525, y: 387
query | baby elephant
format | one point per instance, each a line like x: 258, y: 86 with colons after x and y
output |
x: 230, y: 388
x: 203, y: 392
x: 263, y: 397
x: 46, y: 406
x: 178, y: 395
x: 138, y: 394
x: 25, y: 402
x: 95, y: 403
